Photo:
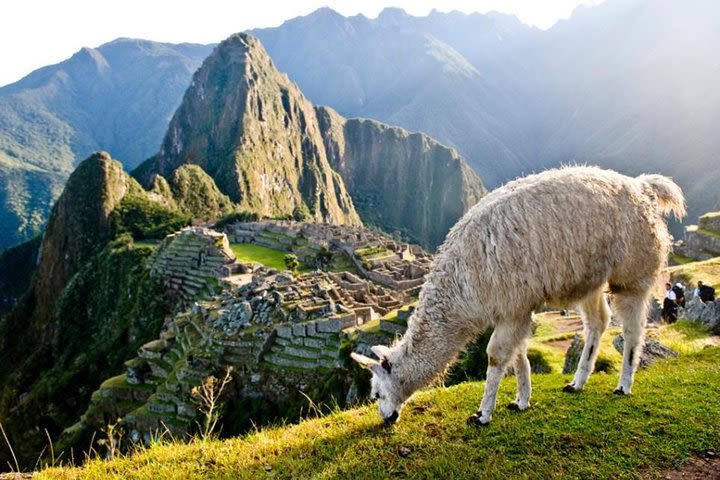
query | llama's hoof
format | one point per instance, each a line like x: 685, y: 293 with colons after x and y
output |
x: 619, y: 391
x: 570, y: 388
x: 514, y: 407
x: 476, y: 420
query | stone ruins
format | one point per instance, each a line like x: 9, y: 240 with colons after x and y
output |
x: 702, y: 241
x: 280, y: 333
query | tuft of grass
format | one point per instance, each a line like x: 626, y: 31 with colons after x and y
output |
x: 594, y: 434
x: 708, y: 271
x: 683, y: 336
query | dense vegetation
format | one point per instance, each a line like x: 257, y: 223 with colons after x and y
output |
x: 110, y: 307
x: 590, y: 435
x: 17, y: 266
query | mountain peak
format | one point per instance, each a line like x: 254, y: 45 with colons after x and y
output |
x: 255, y: 134
x: 392, y: 14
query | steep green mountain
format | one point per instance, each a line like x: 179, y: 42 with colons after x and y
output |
x: 244, y: 128
x: 254, y: 133
x: 89, y: 306
x: 400, y: 181
x: 118, y: 97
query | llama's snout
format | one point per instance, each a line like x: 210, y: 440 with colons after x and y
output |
x: 392, y: 418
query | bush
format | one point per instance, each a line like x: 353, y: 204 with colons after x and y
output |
x: 235, y: 218
x: 145, y: 219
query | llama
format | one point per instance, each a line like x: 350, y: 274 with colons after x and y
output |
x: 561, y: 237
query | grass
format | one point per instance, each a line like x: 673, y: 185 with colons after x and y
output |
x: 678, y: 259
x: 708, y: 271
x: 671, y: 416
x: 683, y: 336
x: 705, y: 231
x: 145, y: 244
x: 249, y: 252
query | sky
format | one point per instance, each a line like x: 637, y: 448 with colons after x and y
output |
x: 35, y: 33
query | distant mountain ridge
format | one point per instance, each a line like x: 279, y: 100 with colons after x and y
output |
x: 117, y: 97
x: 628, y: 84
x: 263, y: 145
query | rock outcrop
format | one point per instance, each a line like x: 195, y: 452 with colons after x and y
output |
x: 400, y: 181
x: 256, y: 135
x: 572, y: 356
x: 702, y: 241
x: 652, y: 350
x: 79, y: 223
x: 706, y: 313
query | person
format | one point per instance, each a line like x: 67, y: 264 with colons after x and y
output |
x: 696, y: 293
x: 679, y: 294
x: 670, y: 308
x: 705, y: 292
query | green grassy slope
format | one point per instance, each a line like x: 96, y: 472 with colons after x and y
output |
x: 671, y: 415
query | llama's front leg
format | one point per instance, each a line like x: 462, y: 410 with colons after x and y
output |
x: 596, y: 318
x: 522, y: 374
x: 633, y: 311
x: 503, y: 345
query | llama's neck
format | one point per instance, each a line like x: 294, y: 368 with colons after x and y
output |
x: 431, y: 342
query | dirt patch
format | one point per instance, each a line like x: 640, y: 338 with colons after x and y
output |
x: 560, y: 344
x: 706, y: 467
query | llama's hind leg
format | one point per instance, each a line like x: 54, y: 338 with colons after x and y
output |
x: 522, y: 374
x: 596, y: 318
x: 632, y: 309
x: 502, y: 347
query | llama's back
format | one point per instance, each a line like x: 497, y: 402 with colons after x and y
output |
x: 558, y: 235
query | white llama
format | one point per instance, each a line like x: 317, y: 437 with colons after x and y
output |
x: 557, y: 237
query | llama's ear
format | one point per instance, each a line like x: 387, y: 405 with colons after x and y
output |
x: 365, y: 362
x: 381, y: 351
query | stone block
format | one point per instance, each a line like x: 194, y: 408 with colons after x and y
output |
x: 392, y: 328
x: 298, y: 330
x: 310, y: 329
x: 328, y: 326
x: 302, y: 352
x: 284, y: 331
x: 314, y: 342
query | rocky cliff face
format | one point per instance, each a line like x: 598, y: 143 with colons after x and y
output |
x: 256, y: 135
x: 79, y: 223
x: 400, y: 181
x: 702, y: 241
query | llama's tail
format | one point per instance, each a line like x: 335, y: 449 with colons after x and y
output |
x: 670, y: 196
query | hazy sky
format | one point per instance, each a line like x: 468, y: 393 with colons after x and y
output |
x: 34, y: 33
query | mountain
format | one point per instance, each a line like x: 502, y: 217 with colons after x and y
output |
x: 255, y: 134
x: 400, y: 181
x: 90, y: 302
x: 412, y: 72
x: 256, y: 138
x: 645, y: 99
x: 628, y: 84
x: 118, y: 97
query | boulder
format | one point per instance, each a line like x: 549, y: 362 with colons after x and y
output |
x: 572, y: 356
x: 706, y: 313
x: 653, y: 350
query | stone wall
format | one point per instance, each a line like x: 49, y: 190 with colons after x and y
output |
x: 191, y: 260
x: 702, y: 241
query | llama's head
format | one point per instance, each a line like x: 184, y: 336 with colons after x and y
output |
x: 386, y: 386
